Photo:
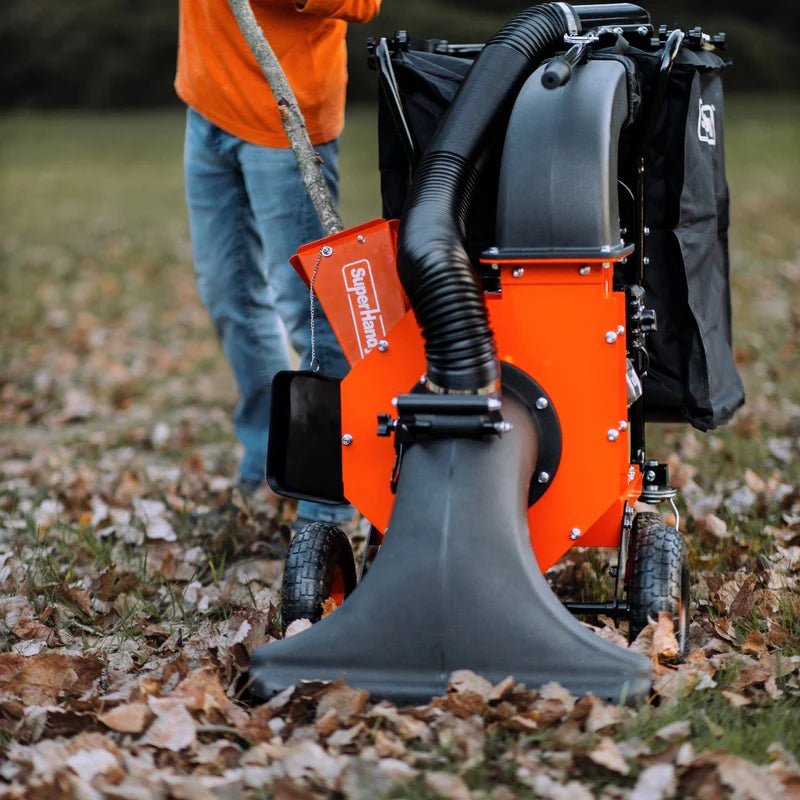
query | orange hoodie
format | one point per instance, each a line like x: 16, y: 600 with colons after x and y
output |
x: 219, y: 77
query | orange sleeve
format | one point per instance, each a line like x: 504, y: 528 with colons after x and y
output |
x: 347, y: 10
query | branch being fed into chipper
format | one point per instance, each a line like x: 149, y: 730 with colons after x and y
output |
x: 308, y: 160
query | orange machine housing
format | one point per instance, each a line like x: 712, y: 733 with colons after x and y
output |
x: 559, y: 321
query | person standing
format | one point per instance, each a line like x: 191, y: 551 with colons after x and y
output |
x: 248, y: 207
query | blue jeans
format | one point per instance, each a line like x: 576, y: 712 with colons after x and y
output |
x: 248, y: 213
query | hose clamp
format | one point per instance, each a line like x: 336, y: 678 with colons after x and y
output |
x: 571, y: 18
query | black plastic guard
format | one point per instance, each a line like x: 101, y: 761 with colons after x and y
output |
x: 304, y: 455
x: 558, y: 180
x: 455, y: 586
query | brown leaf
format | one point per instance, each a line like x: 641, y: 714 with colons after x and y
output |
x: 754, y: 644
x: 329, y: 606
x: 127, y: 718
x: 29, y: 628
x: 297, y: 626
x: 201, y: 690
x: 346, y: 702
x: 602, y: 715
x: 736, y: 700
x: 675, y: 731
x: 665, y: 644
x: 447, y: 786
x: 607, y: 754
x: 43, y: 678
x: 654, y: 783
x: 173, y: 729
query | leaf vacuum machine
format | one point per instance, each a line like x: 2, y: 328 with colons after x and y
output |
x: 550, y: 274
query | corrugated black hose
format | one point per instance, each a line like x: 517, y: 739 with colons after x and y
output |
x: 433, y: 264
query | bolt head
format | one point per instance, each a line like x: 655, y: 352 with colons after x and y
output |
x: 361, y: 238
x: 623, y: 425
x: 575, y: 534
x: 327, y: 250
x: 543, y: 477
x: 649, y: 476
x: 611, y: 337
x: 383, y: 345
x: 584, y: 270
x: 542, y: 403
x: 517, y: 272
x: 613, y: 434
x: 646, y: 260
x: 347, y: 440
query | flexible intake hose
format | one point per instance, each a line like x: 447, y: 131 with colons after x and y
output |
x: 433, y: 264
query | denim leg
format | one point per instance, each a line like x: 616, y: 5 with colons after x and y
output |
x: 286, y: 219
x: 231, y: 280
x: 248, y: 213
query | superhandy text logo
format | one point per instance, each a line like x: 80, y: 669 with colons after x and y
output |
x: 365, y: 308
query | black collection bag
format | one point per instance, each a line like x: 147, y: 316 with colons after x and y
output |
x: 692, y: 376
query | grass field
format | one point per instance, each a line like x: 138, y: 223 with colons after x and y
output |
x: 115, y: 408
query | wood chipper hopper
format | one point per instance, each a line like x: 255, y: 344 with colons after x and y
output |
x: 558, y: 276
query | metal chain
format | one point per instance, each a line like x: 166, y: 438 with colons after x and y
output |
x: 314, y: 363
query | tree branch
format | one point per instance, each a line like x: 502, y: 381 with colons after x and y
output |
x: 308, y: 160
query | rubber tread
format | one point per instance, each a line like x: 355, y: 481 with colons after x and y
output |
x: 659, y: 574
x: 313, y: 555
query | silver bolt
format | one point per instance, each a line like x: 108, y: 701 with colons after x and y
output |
x: 646, y: 231
x: 649, y: 476
x: 613, y: 434
x: 347, y: 440
x: 541, y: 403
x: 620, y: 329
x: 383, y: 345
x: 517, y: 272
x: 494, y: 267
x: 543, y: 477
x: 361, y: 238
x: 493, y: 251
x: 575, y: 534
x: 623, y: 425
x: 646, y: 260
x: 584, y: 270
x: 327, y: 250
x: 642, y: 30
x: 611, y: 337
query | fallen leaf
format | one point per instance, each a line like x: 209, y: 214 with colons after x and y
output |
x: 447, y: 786
x: 665, y: 644
x: 675, y: 731
x: 173, y: 729
x: 297, y: 626
x: 127, y: 718
x: 654, y: 783
x: 346, y: 702
x: 607, y: 754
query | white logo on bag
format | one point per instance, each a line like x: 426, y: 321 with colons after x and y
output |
x: 706, y: 124
x: 365, y: 309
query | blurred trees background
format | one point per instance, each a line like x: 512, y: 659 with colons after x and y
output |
x: 121, y: 53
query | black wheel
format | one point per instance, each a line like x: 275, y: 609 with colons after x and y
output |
x: 319, y: 566
x: 659, y: 576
